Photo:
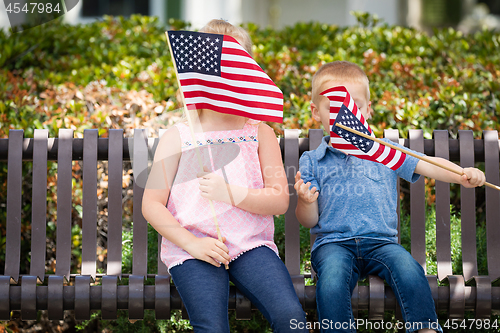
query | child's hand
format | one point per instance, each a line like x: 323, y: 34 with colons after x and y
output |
x: 210, y: 250
x: 472, y: 177
x: 213, y: 186
x: 305, y: 194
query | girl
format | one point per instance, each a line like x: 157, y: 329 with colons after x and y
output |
x: 248, y: 186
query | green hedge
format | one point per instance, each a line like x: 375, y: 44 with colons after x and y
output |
x: 440, y: 81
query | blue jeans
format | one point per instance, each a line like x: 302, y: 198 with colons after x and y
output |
x: 341, y: 264
x: 259, y: 274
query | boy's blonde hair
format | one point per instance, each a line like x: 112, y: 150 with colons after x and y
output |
x: 338, y: 71
x: 225, y: 28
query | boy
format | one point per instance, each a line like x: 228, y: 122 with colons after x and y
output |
x: 350, y: 203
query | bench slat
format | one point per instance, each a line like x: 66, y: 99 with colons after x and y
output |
x: 55, y: 305
x: 136, y: 296
x: 28, y: 297
x: 39, y: 204
x: 89, y: 203
x: 162, y: 296
x: 64, y: 198
x: 82, y: 297
x: 417, y: 205
x: 483, y: 297
x: 14, y: 197
x: 443, y: 236
x: 162, y: 269
x: 491, y: 159
x: 140, y: 237
x: 4, y: 297
x: 292, y: 226
x: 115, y: 211
x: 109, y: 295
x: 468, y: 208
x: 457, y: 297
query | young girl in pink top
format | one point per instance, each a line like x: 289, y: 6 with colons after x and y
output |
x: 245, y: 179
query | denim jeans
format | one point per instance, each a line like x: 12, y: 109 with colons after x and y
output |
x: 339, y: 265
x: 259, y: 274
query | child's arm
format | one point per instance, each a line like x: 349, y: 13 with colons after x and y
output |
x: 307, y: 205
x: 155, y: 199
x: 270, y: 200
x: 472, y: 177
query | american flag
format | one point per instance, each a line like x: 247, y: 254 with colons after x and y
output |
x: 217, y: 73
x: 344, y: 111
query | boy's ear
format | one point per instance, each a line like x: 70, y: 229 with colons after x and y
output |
x: 369, y: 110
x: 315, y: 112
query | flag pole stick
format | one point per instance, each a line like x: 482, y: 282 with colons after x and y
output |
x: 193, y: 138
x: 423, y: 158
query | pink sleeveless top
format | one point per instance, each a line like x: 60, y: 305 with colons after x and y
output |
x: 234, y: 156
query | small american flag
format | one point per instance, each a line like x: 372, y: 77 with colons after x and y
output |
x: 344, y: 111
x: 217, y: 73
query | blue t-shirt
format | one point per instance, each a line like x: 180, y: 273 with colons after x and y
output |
x: 357, y: 198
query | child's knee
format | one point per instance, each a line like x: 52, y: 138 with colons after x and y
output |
x: 206, y: 322
x: 333, y: 288
x: 289, y: 316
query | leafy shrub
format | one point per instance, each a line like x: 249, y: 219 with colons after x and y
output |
x: 444, y: 81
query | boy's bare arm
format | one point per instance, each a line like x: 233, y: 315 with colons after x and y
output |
x: 472, y: 177
x: 307, y: 204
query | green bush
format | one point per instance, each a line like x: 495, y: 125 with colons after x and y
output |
x: 442, y: 81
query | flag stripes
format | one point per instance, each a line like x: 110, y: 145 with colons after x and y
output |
x: 217, y: 73
x: 344, y: 110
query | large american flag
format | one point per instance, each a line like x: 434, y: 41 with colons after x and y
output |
x: 217, y: 73
x: 344, y: 111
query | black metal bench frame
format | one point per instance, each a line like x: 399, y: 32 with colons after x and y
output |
x: 64, y: 291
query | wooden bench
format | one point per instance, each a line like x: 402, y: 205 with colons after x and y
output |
x: 37, y: 290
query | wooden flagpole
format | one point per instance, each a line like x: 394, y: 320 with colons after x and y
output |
x: 193, y: 138
x: 423, y: 158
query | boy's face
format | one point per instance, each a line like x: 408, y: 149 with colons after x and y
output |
x: 357, y: 90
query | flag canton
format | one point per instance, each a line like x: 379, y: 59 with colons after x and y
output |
x: 348, y: 119
x: 196, y: 51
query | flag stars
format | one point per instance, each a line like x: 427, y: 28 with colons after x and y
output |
x: 195, y: 52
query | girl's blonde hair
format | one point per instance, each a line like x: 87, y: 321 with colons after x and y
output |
x: 225, y: 28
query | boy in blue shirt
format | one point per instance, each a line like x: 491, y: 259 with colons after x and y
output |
x: 350, y: 204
